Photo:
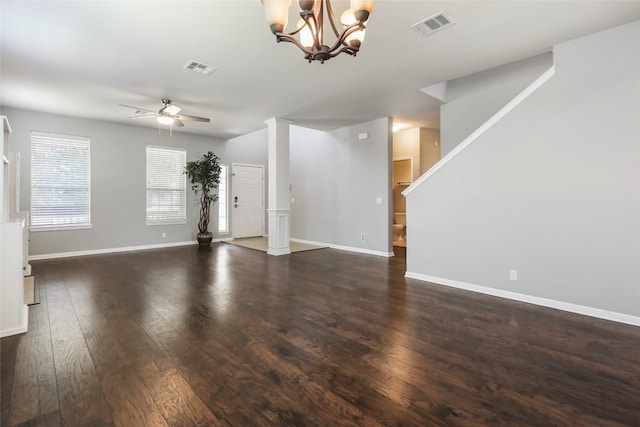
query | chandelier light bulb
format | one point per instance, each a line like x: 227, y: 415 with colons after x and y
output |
x: 347, y: 17
x: 359, y: 6
x: 355, y: 39
x: 306, y: 35
x: 277, y: 14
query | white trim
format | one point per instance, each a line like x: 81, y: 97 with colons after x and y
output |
x: 5, y: 124
x: 362, y: 251
x: 109, y: 250
x: 278, y: 236
x: 482, y: 129
x: 227, y: 190
x: 345, y: 248
x: 544, y: 302
x: 179, y: 222
x: 60, y: 227
x: 278, y: 251
x: 20, y: 329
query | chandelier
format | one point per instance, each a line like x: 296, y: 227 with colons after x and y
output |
x: 310, y: 29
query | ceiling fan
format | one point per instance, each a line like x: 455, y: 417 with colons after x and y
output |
x: 167, y: 115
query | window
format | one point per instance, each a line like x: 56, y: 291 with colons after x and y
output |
x: 223, y: 206
x: 60, y: 181
x: 166, y: 185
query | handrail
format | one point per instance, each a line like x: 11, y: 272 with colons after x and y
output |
x: 483, y: 128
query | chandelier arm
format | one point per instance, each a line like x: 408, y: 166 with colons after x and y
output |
x: 284, y: 37
x: 292, y: 33
x: 356, y: 26
x: 331, y: 17
x: 314, y: 28
x: 319, y: 23
x: 344, y: 49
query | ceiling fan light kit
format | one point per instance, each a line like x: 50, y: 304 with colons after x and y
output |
x: 310, y: 29
x: 165, y: 120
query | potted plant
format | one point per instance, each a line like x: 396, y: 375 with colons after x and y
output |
x: 204, y: 176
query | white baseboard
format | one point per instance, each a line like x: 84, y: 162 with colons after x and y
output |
x: 20, y: 329
x: 345, y: 248
x: 169, y: 245
x: 109, y: 250
x: 544, y: 302
x: 278, y: 252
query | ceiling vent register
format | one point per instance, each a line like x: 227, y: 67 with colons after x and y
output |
x: 199, y: 67
x: 433, y: 24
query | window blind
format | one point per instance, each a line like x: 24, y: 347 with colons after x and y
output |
x: 166, y: 185
x: 60, y: 181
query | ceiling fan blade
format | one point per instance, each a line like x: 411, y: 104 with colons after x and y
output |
x: 145, y: 116
x: 191, y: 118
x: 138, y: 109
x: 177, y: 123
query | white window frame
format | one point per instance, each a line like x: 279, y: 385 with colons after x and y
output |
x: 70, y: 211
x: 223, y: 200
x: 153, y: 213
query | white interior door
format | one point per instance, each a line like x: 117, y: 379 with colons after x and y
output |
x: 247, y: 200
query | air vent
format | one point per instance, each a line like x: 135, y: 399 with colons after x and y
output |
x: 199, y: 67
x: 435, y: 23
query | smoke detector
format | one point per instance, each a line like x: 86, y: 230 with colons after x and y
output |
x: 433, y: 24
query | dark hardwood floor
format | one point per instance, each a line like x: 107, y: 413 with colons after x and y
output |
x: 230, y: 336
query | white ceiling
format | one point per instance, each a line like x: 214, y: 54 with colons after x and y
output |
x: 83, y: 58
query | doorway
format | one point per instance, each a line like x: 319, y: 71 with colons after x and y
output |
x: 402, y: 178
x: 247, y: 199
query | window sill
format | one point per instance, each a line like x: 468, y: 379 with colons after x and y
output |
x: 61, y: 228
x: 166, y: 222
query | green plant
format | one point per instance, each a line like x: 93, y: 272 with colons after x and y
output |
x: 204, y: 176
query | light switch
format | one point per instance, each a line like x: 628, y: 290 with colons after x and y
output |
x: 293, y: 200
x: 379, y: 201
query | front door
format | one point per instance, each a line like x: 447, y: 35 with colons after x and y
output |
x: 247, y: 200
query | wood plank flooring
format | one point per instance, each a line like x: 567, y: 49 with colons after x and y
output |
x: 229, y: 336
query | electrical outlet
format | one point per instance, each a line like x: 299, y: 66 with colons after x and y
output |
x: 363, y: 237
x: 513, y: 274
x: 164, y: 235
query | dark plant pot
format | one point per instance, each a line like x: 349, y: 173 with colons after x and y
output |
x: 204, y: 239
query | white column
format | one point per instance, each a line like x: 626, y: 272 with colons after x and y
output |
x: 278, y: 204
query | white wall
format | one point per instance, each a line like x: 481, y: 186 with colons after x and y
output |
x: 336, y: 179
x: 118, y: 170
x: 552, y: 190
x: 471, y: 100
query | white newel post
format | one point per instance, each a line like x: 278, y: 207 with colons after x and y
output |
x: 278, y: 208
